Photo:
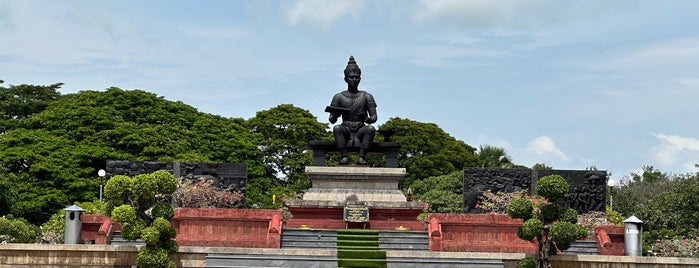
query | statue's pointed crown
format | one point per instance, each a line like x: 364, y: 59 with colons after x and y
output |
x: 352, y: 66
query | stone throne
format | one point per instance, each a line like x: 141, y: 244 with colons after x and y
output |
x: 373, y: 189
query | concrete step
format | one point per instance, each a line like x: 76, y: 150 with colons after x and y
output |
x: 388, y: 240
x: 269, y: 260
x: 118, y: 240
x: 582, y: 248
x: 402, y: 260
x: 413, y: 262
x: 403, y: 240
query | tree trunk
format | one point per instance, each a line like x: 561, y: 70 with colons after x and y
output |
x: 544, y: 244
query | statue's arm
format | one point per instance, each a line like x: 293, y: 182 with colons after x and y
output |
x: 371, y: 109
x: 372, y: 116
x: 335, y: 102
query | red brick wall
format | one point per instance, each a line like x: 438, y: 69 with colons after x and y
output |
x: 206, y: 227
x: 226, y: 227
x: 615, y: 235
x: 91, y: 224
x: 332, y: 218
x: 477, y: 233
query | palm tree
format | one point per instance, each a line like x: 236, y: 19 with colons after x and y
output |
x: 494, y: 157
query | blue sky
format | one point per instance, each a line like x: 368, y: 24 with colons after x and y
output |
x: 572, y: 84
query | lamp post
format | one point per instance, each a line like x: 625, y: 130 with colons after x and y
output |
x: 101, y: 173
x: 611, y: 184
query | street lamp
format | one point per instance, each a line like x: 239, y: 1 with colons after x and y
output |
x: 611, y: 184
x: 101, y: 173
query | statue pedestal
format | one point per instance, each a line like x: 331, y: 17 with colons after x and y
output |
x: 335, y: 188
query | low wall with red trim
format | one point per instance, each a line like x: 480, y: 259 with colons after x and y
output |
x: 212, y: 227
x: 91, y: 224
x: 610, y: 240
x: 215, y: 227
x: 476, y: 233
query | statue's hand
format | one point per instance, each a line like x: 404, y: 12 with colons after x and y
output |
x: 370, y: 120
x: 332, y: 119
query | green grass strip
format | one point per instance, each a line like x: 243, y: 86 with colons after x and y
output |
x: 359, y: 248
x: 357, y: 231
x: 361, y: 263
x: 352, y: 243
x: 361, y: 254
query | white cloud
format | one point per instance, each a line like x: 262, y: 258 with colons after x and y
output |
x: 674, y: 52
x: 321, y: 12
x: 544, y: 146
x: 209, y: 32
x: 677, y: 150
x: 506, y: 15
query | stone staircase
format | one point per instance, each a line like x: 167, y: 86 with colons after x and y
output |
x: 325, y: 258
x: 583, y: 247
x: 118, y: 240
x: 327, y: 239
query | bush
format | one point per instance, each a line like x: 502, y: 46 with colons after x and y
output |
x: 552, y: 187
x: 163, y: 210
x: 203, y: 194
x: 497, y: 202
x: 563, y: 234
x: 549, y: 213
x: 569, y: 215
x: 531, y: 229
x: 152, y: 257
x: 118, y: 187
x: 53, y: 230
x: 166, y: 230
x: 676, y: 247
x: 18, y: 230
x: 141, y: 217
x: 150, y: 235
x: 124, y: 214
x: 132, y: 231
x: 166, y: 183
x: 527, y: 262
x: 520, y: 208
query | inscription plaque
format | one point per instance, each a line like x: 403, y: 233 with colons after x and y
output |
x: 356, y: 214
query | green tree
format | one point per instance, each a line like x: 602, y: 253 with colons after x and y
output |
x: 675, y: 208
x: 548, y: 223
x: 444, y: 193
x: 18, y: 230
x: 541, y: 166
x: 640, y: 188
x: 153, y: 228
x: 8, y: 193
x: 427, y: 150
x: 493, y: 157
x: 282, y: 134
x: 22, y: 101
x: 56, y: 154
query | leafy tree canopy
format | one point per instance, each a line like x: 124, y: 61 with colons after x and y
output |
x: 22, y: 101
x: 443, y: 193
x: 427, y: 150
x: 494, y: 157
x: 58, y: 150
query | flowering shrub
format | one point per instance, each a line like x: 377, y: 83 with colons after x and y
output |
x: 592, y: 219
x: 497, y: 202
x: 203, y: 194
x: 676, y: 247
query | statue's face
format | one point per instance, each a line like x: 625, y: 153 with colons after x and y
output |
x: 353, y: 79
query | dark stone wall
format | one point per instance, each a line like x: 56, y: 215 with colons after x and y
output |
x: 224, y: 175
x: 587, y: 188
